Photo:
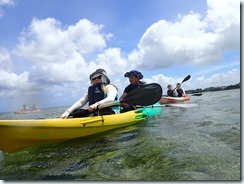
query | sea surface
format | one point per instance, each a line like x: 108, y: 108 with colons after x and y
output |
x: 181, y: 144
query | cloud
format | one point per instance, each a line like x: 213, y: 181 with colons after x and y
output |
x: 219, y: 79
x: 10, y: 81
x: 112, y: 60
x: 61, y: 57
x: 14, y: 81
x: 5, y: 60
x: 58, y: 58
x: 5, y: 3
x: 67, y: 53
x: 57, y: 52
x: 192, y: 39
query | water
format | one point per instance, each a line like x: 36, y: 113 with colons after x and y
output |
x: 200, y: 143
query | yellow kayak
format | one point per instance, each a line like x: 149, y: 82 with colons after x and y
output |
x: 17, y: 134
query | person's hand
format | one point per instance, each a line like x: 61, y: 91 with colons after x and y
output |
x: 93, y: 107
x: 65, y: 115
x: 126, y: 105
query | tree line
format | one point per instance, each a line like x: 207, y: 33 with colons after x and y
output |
x: 218, y: 88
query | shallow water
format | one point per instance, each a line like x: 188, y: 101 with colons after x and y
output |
x: 200, y: 143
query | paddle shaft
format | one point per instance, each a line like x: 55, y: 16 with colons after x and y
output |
x: 173, y: 105
x: 185, y: 79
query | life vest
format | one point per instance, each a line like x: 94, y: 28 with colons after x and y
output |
x: 170, y: 93
x: 96, y: 93
x: 180, y: 92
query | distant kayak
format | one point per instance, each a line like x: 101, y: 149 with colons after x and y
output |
x: 196, y: 94
x: 167, y: 99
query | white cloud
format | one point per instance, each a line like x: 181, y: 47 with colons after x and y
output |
x: 5, y: 3
x: 13, y: 81
x: 5, y: 60
x: 112, y: 61
x: 57, y: 53
x: 191, y: 39
x: 12, y: 85
x: 9, y: 80
x: 223, y: 14
x: 218, y: 79
x: 51, y: 42
x: 163, y: 81
x: 67, y: 54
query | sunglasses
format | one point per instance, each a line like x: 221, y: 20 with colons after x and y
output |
x: 99, y: 77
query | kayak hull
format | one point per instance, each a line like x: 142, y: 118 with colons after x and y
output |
x: 17, y: 134
x: 167, y: 100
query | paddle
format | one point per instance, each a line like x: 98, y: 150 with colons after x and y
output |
x: 185, y: 79
x: 145, y: 95
x: 182, y: 105
x: 187, y: 105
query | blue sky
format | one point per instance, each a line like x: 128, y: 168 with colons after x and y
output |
x: 48, y: 48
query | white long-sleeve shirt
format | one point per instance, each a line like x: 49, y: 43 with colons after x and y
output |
x: 111, y: 95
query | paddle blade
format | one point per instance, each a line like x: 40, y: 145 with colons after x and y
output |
x: 148, y: 94
x: 186, y: 79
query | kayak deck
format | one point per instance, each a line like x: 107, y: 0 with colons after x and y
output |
x: 17, y: 134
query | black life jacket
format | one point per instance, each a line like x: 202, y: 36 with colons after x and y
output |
x: 95, y: 93
x: 170, y: 93
x: 180, y: 92
x: 131, y: 87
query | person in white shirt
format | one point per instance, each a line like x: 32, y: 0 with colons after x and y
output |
x: 100, y: 92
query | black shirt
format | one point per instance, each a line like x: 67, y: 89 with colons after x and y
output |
x: 130, y: 87
x: 170, y: 93
x: 180, y: 92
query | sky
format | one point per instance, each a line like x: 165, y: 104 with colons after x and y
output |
x: 49, y: 48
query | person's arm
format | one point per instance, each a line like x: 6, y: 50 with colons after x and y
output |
x: 111, y: 95
x: 122, y: 96
x: 184, y: 93
x: 175, y: 93
x: 126, y: 91
x: 168, y: 93
x: 80, y: 103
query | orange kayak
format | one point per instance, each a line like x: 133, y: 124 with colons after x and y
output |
x: 167, y: 99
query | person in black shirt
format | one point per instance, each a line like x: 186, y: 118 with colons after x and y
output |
x: 170, y: 91
x: 135, y: 82
x: 179, y: 90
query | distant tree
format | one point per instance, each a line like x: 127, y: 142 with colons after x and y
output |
x: 218, y: 88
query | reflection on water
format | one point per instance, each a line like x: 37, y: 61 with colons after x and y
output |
x: 201, y: 143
